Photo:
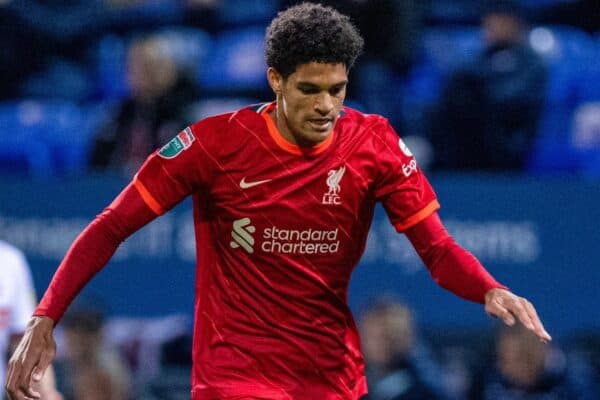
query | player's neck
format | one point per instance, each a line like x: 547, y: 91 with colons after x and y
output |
x: 282, y: 126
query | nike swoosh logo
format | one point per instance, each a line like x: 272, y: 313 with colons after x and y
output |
x: 246, y: 185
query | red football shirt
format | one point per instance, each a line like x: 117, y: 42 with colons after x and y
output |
x: 279, y: 230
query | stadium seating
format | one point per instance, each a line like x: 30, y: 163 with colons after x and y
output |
x: 236, y: 63
x: 188, y: 47
x: 218, y: 105
x: 452, y: 47
x: 228, y: 65
x: 569, y: 53
x: 454, y: 11
x: 110, y: 65
x: 236, y: 13
x: 61, y: 79
x: 22, y: 151
x: 43, y: 138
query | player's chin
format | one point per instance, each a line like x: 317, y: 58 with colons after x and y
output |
x: 317, y: 133
x: 314, y: 138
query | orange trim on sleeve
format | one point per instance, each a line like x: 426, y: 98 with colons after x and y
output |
x: 148, y: 198
x: 418, y: 216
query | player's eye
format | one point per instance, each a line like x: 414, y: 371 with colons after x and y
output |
x: 334, y: 91
x: 309, y: 90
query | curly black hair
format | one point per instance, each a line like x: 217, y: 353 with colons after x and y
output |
x: 311, y: 32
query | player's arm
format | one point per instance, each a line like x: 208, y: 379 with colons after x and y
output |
x: 166, y: 178
x: 88, y: 254
x: 457, y: 270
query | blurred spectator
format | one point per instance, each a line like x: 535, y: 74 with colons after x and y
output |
x: 397, y: 366
x: 154, y: 112
x: 89, y: 370
x: 488, y: 113
x: 527, y: 369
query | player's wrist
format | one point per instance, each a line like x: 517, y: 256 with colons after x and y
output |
x: 490, y: 293
x: 41, y: 322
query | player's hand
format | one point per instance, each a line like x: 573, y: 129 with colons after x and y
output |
x: 54, y: 395
x: 509, y: 308
x: 31, y: 359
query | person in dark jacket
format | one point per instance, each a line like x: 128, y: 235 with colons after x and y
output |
x: 488, y: 113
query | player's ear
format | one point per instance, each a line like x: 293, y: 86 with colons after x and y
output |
x: 275, y: 80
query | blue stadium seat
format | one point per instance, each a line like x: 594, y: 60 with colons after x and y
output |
x: 552, y: 151
x: 110, y: 58
x: 146, y: 14
x: 188, y: 47
x: 218, y: 105
x: 232, y: 13
x: 590, y: 84
x: 46, y: 138
x: 423, y: 84
x: 61, y: 79
x: 22, y: 149
x: 236, y: 63
x: 592, y: 166
x: 447, y: 49
x: 444, y: 50
x: 69, y: 130
x: 568, y: 53
x: 454, y: 11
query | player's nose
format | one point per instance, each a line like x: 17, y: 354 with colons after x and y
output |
x: 324, y: 104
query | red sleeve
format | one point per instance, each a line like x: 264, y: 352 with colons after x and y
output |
x: 170, y: 174
x: 181, y: 167
x: 93, y: 248
x: 402, y: 187
x: 451, y: 266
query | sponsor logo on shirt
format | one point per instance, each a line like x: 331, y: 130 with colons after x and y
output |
x: 411, y: 166
x: 179, y: 143
x: 404, y: 148
x: 408, y: 169
x: 333, y: 181
x: 242, y: 235
x: 308, y: 241
x: 285, y: 241
x: 245, y: 184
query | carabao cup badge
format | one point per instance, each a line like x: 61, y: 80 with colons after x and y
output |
x: 179, y: 143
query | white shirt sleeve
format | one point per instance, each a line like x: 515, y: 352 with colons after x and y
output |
x: 24, y: 296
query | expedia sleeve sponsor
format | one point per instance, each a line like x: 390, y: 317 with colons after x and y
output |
x: 401, y: 186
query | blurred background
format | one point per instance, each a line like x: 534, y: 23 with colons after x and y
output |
x: 499, y: 101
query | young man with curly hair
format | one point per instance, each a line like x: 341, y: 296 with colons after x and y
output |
x: 283, y: 194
